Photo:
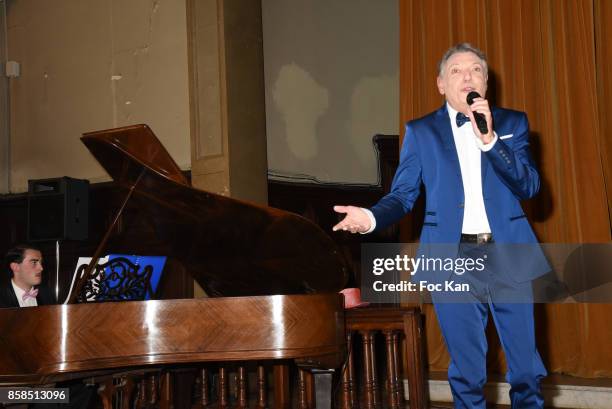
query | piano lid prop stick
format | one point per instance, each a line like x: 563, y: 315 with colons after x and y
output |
x: 94, y: 260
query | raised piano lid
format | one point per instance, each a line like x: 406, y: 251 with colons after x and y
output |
x: 229, y: 246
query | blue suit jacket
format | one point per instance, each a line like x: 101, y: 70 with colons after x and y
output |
x: 429, y: 156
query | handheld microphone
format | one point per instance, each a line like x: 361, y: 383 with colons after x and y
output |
x: 481, y: 122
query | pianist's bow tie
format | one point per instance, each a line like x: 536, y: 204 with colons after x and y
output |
x: 461, y: 119
x: 31, y: 293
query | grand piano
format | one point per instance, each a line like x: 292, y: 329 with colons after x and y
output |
x: 272, y: 277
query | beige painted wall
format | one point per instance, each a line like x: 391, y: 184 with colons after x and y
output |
x: 89, y: 65
x: 331, y: 72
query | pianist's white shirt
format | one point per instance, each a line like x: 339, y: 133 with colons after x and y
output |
x: 29, y: 302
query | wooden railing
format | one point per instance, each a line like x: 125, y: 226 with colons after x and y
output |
x: 155, y: 388
x: 398, y: 326
x: 394, y: 333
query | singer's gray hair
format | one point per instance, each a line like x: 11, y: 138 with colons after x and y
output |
x: 462, y: 48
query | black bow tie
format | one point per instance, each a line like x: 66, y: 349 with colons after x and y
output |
x: 461, y: 119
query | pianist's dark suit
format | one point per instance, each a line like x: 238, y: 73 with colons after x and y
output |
x: 8, y: 299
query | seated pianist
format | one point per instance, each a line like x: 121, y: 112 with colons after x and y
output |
x: 21, y: 288
x: 21, y: 284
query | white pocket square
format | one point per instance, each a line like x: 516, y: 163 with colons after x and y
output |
x: 506, y: 136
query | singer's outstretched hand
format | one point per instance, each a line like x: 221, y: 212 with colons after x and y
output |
x: 481, y: 106
x: 355, y: 221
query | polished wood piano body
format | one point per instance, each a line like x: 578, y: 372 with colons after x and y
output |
x: 273, y: 276
x: 58, y: 342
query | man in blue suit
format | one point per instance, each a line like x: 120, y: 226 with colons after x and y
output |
x: 474, y: 182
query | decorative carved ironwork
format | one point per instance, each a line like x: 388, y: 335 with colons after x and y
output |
x: 116, y: 280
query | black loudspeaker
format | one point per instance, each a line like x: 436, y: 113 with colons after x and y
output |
x: 58, y: 209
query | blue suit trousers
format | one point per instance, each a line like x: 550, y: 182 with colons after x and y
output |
x: 463, y: 326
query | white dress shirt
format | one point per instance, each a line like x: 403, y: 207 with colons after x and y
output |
x: 469, y: 149
x: 29, y: 302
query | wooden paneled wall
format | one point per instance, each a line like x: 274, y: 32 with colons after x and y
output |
x: 134, y: 236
